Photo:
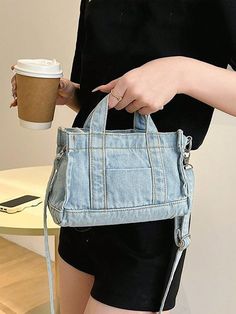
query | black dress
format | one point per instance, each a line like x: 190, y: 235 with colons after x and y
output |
x: 132, y: 262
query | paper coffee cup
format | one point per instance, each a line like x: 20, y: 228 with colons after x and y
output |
x: 37, y: 83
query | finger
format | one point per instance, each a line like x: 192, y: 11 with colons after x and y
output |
x: 63, y: 83
x: 134, y: 106
x: 13, y: 103
x: 106, y: 87
x: 118, y: 90
x: 144, y: 110
x: 111, y: 84
x: 76, y: 85
x: 13, y: 66
x: 127, y: 99
x: 103, y: 88
x: 66, y: 90
x: 13, y: 87
x: 13, y: 79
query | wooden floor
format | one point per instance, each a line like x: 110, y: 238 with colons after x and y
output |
x: 23, y: 280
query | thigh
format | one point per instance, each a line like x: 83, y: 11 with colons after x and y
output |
x: 74, y: 288
x: 94, y: 306
x: 133, y: 264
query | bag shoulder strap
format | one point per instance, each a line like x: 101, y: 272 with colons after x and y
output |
x: 182, y: 240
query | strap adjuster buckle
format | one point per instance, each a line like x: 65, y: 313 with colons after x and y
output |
x: 183, y: 241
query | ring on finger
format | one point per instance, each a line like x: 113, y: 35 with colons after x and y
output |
x: 119, y: 98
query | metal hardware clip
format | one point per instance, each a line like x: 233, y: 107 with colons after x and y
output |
x: 187, y: 150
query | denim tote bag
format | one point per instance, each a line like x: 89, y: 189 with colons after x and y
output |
x: 107, y: 177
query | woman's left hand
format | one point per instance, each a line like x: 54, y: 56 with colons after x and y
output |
x: 147, y: 88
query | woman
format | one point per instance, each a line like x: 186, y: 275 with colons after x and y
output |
x: 165, y: 58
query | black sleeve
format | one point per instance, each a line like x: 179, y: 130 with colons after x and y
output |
x: 76, y: 65
x: 232, y: 63
x: 229, y: 11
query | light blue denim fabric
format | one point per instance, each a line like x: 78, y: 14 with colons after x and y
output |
x: 106, y: 177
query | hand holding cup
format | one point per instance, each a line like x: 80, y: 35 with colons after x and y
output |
x: 37, y: 87
x: 66, y: 90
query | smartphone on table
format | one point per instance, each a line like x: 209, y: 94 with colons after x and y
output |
x: 17, y: 204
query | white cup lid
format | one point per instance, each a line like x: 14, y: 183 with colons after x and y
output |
x: 39, y: 68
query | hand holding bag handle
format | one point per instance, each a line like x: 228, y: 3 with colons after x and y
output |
x: 96, y: 120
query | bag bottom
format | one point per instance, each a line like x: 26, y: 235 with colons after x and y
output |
x: 97, y: 217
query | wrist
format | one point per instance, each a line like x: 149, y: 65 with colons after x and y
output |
x: 184, y: 75
x: 73, y: 103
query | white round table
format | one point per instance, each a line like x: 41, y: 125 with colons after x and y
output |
x: 29, y: 180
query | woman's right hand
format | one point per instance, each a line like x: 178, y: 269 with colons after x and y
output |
x: 66, y: 90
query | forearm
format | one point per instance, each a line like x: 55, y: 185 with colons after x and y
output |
x: 74, y: 104
x: 210, y: 84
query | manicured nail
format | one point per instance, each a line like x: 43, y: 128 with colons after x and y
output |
x: 95, y: 89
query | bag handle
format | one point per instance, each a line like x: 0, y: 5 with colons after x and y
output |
x: 96, y: 120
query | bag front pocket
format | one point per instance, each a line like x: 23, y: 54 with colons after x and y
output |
x: 130, y: 187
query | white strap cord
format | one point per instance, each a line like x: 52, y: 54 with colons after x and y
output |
x: 46, y: 245
x: 182, y: 240
x: 48, y: 258
x: 176, y: 262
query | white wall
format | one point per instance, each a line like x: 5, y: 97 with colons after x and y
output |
x: 33, y: 29
x: 47, y: 29
x: 209, y: 277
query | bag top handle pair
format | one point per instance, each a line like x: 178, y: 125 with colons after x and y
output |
x: 96, y: 120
